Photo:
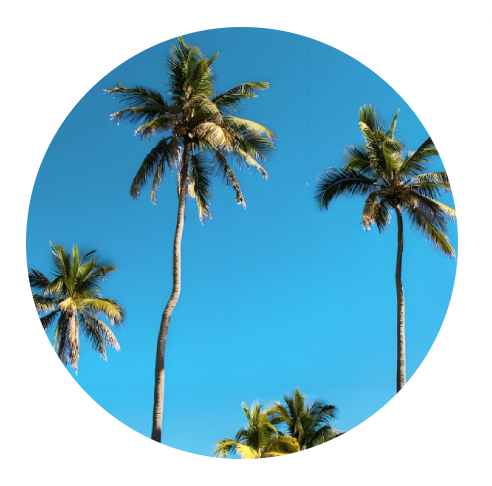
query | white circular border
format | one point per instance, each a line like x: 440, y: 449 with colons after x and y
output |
x: 112, y: 59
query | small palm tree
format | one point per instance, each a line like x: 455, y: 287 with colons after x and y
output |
x: 259, y: 439
x: 74, y: 296
x: 393, y: 180
x: 308, y: 423
x: 197, y: 135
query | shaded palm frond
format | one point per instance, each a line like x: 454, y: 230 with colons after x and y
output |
x: 154, y: 164
x: 199, y: 184
x: 48, y: 320
x: 233, y: 99
x: 416, y: 162
x: 336, y: 182
x: 143, y: 103
x: 37, y: 280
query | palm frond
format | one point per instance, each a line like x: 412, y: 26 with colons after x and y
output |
x: 48, y: 320
x: 416, y: 162
x: 336, y: 182
x: 154, y: 164
x: 199, y: 184
x: 376, y: 210
x: 37, y: 280
x: 44, y: 303
x: 143, y: 103
x: 422, y: 223
x: 233, y: 99
x: 369, y: 117
x: 110, y: 308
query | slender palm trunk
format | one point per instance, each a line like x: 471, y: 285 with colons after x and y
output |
x: 171, y: 304
x: 400, y: 309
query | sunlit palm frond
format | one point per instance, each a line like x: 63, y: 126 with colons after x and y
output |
x: 376, y: 211
x: 44, y: 303
x: 93, y: 324
x: 391, y: 132
x: 422, y: 223
x: 110, y: 308
x: 369, y: 117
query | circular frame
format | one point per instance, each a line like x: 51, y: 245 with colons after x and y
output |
x: 72, y: 95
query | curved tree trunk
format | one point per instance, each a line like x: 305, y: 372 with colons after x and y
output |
x: 400, y: 309
x: 171, y: 304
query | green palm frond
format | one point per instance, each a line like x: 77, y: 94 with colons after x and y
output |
x: 154, y: 164
x: 416, y: 162
x: 425, y: 225
x: 337, y: 182
x: 199, y: 184
x: 369, y: 117
x: 232, y: 100
x: 37, y: 280
x: 110, y: 308
x: 143, y: 103
x: 391, y: 132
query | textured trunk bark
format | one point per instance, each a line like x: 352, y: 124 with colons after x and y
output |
x: 400, y: 309
x: 171, y: 304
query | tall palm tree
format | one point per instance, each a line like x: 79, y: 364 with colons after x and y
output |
x: 259, y: 438
x: 74, y: 296
x: 197, y: 135
x: 308, y: 423
x: 393, y: 180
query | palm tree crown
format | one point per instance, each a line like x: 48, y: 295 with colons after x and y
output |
x: 74, y: 296
x: 308, y: 423
x: 391, y: 178
x: 259, y: 438
x: 197, y: 129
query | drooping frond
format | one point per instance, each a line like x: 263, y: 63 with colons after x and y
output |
x: 422, y: 223
x: 98, y: 333
x: 376, y: 210
x: 199, y: 184
x: 154, y: 165
x: 44, y: 303
x: 48, y: 319
x: 337, y: 182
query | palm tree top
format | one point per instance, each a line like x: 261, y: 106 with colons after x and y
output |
x: 393, y: 179
x: 74, y: 295
x: 195, y: 118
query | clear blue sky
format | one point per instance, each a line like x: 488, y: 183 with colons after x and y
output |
x: 275, y: 296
